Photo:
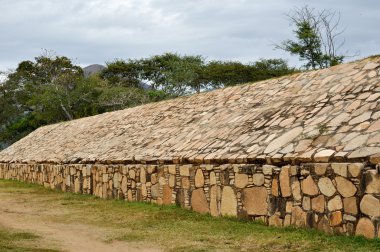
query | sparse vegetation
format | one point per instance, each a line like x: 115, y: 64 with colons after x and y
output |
x: 172, y: 228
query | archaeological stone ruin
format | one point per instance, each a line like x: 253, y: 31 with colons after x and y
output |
x: 299, y: 150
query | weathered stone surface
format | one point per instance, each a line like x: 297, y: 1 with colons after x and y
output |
x: 172, y: 169
x: 326, y: 186
x: 258, y: 179
x: 320, y: 169
x: 372, y: 181
x: 275, y: 188
x: 335, y: 204
x: 370, y: 205
x: 283, y: 139
x: 340, y: 169
x: 212, y: 178
x: 345, y: 187
x: 324, y: 225
x: 255, y: 200
x: 214, y: 207
x: 335, y: 218
x: 309, y: 187
x: 229, y: 202
x: 318, y: 204
x: 299, y: 217
x: 154, y: 191
x: 185, y: 183
x: 355, y: 169
x: 142, y: 175
x: 172, y: 180
x: 184, y: 170
x: 199, y: 202
x: 285, y: 182
x: 350, y: 205
x: 306, y: 203
x: 241, y: 180
x: 167, y: 195
x: 323, y: 156
x: 296, y: 189
x: 275, y: 220
x: 365, y: 228
x: 199, y: 179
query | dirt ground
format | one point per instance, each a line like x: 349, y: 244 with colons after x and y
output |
x: 20, y: 213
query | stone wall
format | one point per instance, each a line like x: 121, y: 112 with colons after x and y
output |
x: 339, y: 198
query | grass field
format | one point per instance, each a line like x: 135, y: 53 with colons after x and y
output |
x: 168, y: 228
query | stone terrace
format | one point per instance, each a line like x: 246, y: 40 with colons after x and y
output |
x: 318, y: 116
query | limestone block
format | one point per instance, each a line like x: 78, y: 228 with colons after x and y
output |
x: 285, y: 182
x: 318, y: 204
x: 320, y: 169
x: 335, y: 218
x: 335, y: 204
x: 296, y: 189
x: 370, y: 205
x: 299, y: 217
x: 199, y: 202
x: 323, y: 156
x: 171, y: 180
x: 340, y: 169
x: 241, y: 180
x: 355, y: 169
x: 258, y: 179
x: 167, y: 195
x: 306, y: 203
x: 132, y: 174
x: 142, y: 175
x: 172, y: 169
x: 212, y: 178
x: 350, y: 205
x: 229, y: 202
x: 214, y: 206
x: 184, y: 170
x: 345, y: 187
x: 199, y: 179
x: 275, y: 187
x: 154, y: 191
x: 185, y: 183
x: 309, y: 187
x: 326, y: 186
x: 372, y: 181
x: 255, y: 200
x: 365, y: 228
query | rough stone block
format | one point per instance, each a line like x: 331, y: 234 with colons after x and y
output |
x: 255, y: 200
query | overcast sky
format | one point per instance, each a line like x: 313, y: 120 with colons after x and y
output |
x: 96, y: 31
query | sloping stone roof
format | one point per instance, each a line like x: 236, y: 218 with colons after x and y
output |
x: 324, y: 115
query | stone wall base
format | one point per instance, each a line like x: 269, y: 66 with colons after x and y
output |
x: 337, y: 198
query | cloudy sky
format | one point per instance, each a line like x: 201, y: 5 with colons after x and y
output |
x: 96, y: 31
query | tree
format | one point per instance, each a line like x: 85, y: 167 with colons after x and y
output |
x: 122, y: 73
x: 316, y: 35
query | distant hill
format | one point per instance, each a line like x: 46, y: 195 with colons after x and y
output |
x: 92, y: 69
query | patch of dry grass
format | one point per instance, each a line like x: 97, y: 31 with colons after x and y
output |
x: 176, y: 229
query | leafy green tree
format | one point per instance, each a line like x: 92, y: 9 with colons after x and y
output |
x: 316, y: 35
x: 122, y: 73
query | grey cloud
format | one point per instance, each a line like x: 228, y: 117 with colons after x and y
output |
x: 96, y: 31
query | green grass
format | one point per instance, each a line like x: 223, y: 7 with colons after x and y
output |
x: 11, y: 240
x: 176, y: 229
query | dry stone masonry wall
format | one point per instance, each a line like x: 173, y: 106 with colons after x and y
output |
x: 297, y: 150
x: 337, y: 198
